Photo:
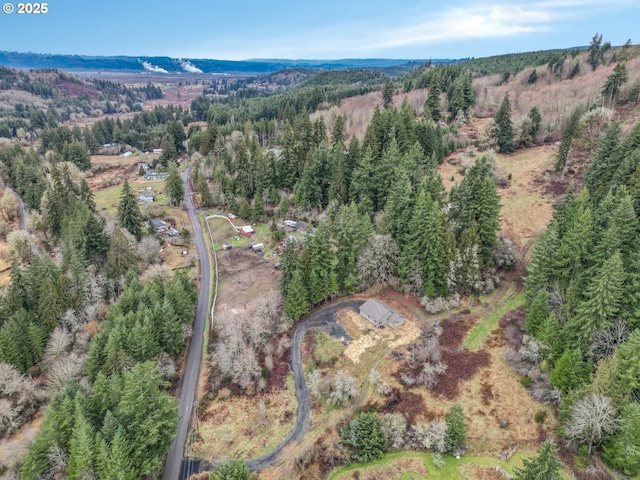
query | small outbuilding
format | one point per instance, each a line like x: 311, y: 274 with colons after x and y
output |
x: 247, y: 230
x: 380, y: 314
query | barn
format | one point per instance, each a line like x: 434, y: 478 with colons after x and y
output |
x: 379, y: 313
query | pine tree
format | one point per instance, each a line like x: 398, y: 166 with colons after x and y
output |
x: 120, y: 256
x: 148, y: 417
x: 81, y: 452
x: 432, y: 104
x: 544, y: 466
x: 605, y: 162
x: 425, y: 245
x: 296, y: 303
x: 603, y: 296
x: 568, y: 134
x: 387, y: 94
x: 537, y: 313
x: 173, y: 185
x: 504, y: 126
x: 456, y: 434
x: 337, y: 136
x: 96, y: 241
x: 231, y: 471
x: 129, y: 214
x: 477, y: 200
x: 569, y: 372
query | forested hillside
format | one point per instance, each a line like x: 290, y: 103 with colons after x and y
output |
x: 92, y: 332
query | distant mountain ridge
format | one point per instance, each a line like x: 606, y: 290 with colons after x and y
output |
x: 194, y: 66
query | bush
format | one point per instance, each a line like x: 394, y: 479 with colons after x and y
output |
x: 540, y: 416
x: 525, y: 381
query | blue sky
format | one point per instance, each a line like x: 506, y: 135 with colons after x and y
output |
x: 311, y: 29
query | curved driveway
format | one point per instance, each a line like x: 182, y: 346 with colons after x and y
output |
x: 189, y: 381
x: 325, y: 316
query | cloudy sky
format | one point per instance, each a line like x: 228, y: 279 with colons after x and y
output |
x: 312, y: 29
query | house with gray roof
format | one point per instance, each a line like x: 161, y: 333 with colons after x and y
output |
x: 380, y: 314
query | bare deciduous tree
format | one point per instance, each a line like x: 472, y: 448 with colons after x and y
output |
x: 9, y: 205
x: 606, y: 341
x: 11, y: 381
x: 394, y: 427
x: 343, y: 388
x: 148, y: 250
x: 425, y: 361
x: 62, y: 370
x: 57, y: 346
x: 163, y: 272
x: 9, y: 418
x: 315, y: 383
x: 376, y: 379
x: 19, y: 247
x: 378, y: 262
x: 591, y: 418
x: 428, y: 436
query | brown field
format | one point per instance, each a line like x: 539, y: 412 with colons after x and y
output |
x: 393, y: 469
x: 526, y: 208
x: 234, y: 428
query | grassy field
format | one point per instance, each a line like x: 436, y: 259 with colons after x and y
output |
x: 465, y: 468
x: 509, y: 301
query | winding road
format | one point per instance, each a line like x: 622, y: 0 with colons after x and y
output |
x: 189, y: 382
x: 175, y: 467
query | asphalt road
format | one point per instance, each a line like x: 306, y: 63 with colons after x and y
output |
x: 322, y: 317
x: 189, y: 380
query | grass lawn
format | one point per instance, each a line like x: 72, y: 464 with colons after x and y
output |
x: 510, y: 301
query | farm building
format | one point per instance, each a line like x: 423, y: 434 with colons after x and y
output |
x: 247, y: 230
x: 379, y: 313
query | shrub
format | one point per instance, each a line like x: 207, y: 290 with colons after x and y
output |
x: 540, y: 416
x: 525, y: 381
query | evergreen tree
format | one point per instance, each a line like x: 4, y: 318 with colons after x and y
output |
x: 544, y: 466
x: 537, y: 313
x: 504, y: 126
x: 387, y: 94
x: 129, y: 214
x: 603, y: 297
x: 622, y: 450
x: 432, y: 104
x: 148, y: 417
x: 337, y: 136
x: 81, y: 451
x: 173, y: 185
x: 169, y: 152
x: 568, y: 134
x: 605, y: 162
x: 456, y: 434
x: 425, y: 245
x: 230, y: 471
x: 477, y: 200
x: 364, y: 436
x: 120, y: 257
x: 569, y: 372
x: 614, y: 82
x: 296, y: 303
